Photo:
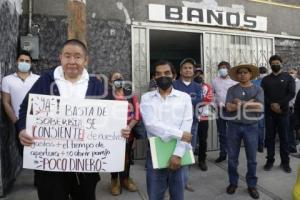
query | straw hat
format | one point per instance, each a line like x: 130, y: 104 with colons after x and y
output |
x: 253, y: 69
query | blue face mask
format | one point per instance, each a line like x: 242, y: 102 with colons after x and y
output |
x: 223, y: 72
x: 23, y: 67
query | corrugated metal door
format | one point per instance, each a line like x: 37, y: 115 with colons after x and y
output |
x: 235, y: 49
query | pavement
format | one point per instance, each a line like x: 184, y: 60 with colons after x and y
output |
x: 209, y: 185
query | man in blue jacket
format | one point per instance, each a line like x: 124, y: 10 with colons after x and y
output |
x: 186, y: 84
x: 70, y: 80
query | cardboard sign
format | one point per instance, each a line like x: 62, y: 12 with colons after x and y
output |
x: 72, y: 135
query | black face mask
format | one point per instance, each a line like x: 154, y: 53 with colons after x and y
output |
x: 275, y: 68
x: 198, y: 79
x: 164, y: 82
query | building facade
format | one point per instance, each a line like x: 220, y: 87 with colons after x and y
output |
x: 129, y: 35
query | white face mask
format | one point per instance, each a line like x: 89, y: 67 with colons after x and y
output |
x: 262, y: 75
x: 23, y: 67
x: 223, y: 72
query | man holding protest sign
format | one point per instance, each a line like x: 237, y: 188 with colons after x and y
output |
x: 71, y: 81
x: 168, y: 114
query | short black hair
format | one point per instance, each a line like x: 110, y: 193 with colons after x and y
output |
x: 164, y: 62
x: 23, y: 52
x: 77, y: 43
x: 224, y: 63
x: 275, y: 57
x: 262, y: 70
x: 188, y: 60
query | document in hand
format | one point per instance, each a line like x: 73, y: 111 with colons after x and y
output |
x: 161, y: 153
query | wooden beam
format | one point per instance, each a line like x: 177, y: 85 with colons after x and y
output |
x: 77, y: 20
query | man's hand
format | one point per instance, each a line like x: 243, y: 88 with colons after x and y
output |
x: 25, y: 139
x: 238, y: 102
x: 126, y: 132
x: 175, y: 162
x: 275, y: 107
x: 186, y: 137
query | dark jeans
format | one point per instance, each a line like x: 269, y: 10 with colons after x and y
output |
x: 18, y: 143
x: 159, y: 180
x: 202, y: 139
x: 222, y: 128
x: 249, y: 134
x: 261, y: 133
x: 277, y: 123
x: 62, y: 185
x: 292, y: 130
x: 125, y: 174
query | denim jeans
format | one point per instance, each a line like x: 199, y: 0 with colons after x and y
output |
x: 261, y: 133
x: 222, y: 129
x: 159, y: 180
x: 277, y: 123
x: 249, y: 134
x: 194, y: 132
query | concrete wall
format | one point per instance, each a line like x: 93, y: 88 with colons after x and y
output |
x: 277, y: 16
x: 289, y: 50
x: 10, y: 161
x: 138, y: 10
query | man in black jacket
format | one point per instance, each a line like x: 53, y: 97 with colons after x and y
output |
x: 279, y: 89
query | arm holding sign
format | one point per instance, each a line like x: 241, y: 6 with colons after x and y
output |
x: 37, y: 88
x: 25, y: 139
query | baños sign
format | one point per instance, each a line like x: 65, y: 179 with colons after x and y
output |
x: 207, y: 17
x: 75, y: 135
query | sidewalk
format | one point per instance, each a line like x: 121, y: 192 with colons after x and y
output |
x: 208, y: 185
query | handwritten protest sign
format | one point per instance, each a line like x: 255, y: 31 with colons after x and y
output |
x: 75, y: 135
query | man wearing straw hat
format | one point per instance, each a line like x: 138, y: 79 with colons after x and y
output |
x: 244, y: 105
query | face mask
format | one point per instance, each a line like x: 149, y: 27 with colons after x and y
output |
x: 275, y: 68
x: 262, y: 75
x: 118, y: 83
x: 198, y: 79
x: 223, y: 72
x: 164, y: 82
x: 294, y: 75
x: 23, y: 67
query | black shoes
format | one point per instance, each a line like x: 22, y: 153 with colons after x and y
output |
x: 231, y: 189
x: 202, y: 165
x: 220, y: 159
x: 268, y: 166
x: 293, y: 150
x: 286, y: 167
x: 253, y: 192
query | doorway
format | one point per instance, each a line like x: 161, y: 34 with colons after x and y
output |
x: 174, y: 46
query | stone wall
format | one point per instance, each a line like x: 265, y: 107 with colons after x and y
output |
x: 10, y: 161
x: 109, y: 43
x: 289, y: 50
